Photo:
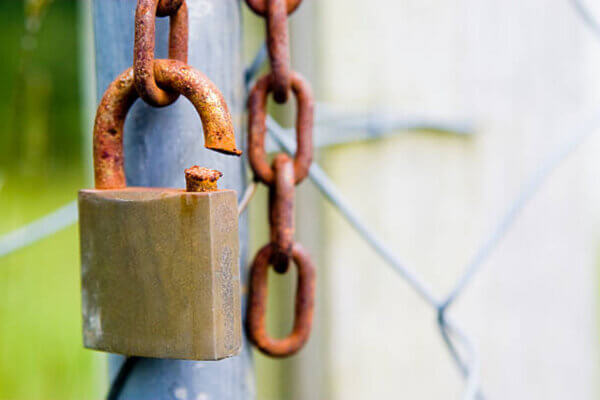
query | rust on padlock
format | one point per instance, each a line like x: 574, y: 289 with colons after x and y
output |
x: 257, y: 302
x: 281, y: 212
x: 172, y: 75
x: 200, y: 179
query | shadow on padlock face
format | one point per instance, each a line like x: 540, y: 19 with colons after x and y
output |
x: 160, y: 267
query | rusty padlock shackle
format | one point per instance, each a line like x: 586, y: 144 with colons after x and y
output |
x: 173, y: 75
x: 143, y: 49
x: 256, y: 324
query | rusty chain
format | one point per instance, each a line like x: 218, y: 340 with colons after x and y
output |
x: 143, y: 53
x: 281, y: 178
x: 257, y: 127
x: 275, y: 12
x: 281, y: 212
x: 303, y: 310
x: 168, y: 7
x: 260, y: 6
x: 279, y: 49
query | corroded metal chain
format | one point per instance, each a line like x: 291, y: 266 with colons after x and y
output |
x: 143, y: 50
x: 281, y: 178
x: 275, y: 12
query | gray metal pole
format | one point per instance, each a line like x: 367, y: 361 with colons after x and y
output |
x: 159, y: 145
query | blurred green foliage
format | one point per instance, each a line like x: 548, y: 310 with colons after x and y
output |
x: 40, y: 108
x: 41, y: 353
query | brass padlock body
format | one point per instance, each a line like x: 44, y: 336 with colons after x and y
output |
x: 160, y: 272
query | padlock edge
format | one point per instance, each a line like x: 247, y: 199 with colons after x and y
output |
x: 195, y: 357
x: 219, y: 223
x: 160, y: 193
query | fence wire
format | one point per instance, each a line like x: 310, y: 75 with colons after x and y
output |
x: 587, y: 17
x: 24, y: 236
x: 460, y: 346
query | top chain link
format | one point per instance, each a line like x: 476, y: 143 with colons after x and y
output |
x: 143, y: 54
x: 279, y: 49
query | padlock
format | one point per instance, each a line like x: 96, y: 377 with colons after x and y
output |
x: 160, y: 267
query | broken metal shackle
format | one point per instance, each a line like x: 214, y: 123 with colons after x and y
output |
x: 177, y: 77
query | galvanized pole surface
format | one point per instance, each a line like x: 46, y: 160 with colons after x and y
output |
x: 159, y: 145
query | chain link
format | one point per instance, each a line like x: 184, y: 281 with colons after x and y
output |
x: 168, y: 7
x: 257, y: 128
x: 143, y: 53
x: 281, y: 212
x: 257, y: 301
x: 279, y: 49
x: 260, y: 6
x: 281, y: 178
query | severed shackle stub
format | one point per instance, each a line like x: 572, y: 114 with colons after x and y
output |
x: 200, y: 179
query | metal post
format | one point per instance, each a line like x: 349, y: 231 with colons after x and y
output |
x: 159, y: 145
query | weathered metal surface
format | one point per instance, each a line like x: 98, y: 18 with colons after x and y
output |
x: 279, y: 49
x: 159, y: 144
x: 260, y: 6
x: 281, y: 212
x: 206, y: 98
x: 257, y: 128
x: 257, y: 302
x: 160, y: 272
x: 143, y: 52
x: 200, y: 179
x: 179, y: 77
x: 281, y: 179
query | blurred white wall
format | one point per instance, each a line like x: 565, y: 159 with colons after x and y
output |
x: 527, y: 74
